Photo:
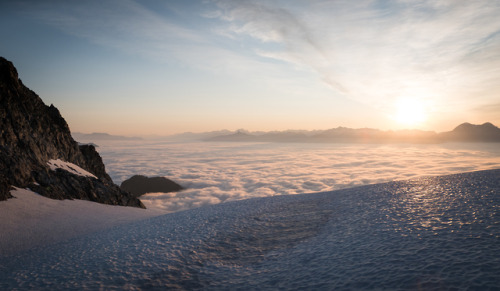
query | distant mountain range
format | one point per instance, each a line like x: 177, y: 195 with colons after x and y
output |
x: 197, y: 135
x: 99, y: 136
x: 465, y: 132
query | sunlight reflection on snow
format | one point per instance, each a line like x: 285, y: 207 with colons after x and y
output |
x: 219, y: 172
x: 433, y: 233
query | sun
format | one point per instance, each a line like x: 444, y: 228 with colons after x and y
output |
x: 410, y: 111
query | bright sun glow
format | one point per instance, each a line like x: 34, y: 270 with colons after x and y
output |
x: 410, y: 111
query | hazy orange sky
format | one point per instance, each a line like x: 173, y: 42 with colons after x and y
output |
x: 162, y: 67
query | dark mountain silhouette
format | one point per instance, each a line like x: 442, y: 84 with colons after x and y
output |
x: 139, y: 185
x: 334, y: 135
x: 31, y: 135
x: 191, y: 136
x: 467, y: 132
x: 97, y: 136
x: 284, y: 136
x: 370, y: 135
x: 237, y: 136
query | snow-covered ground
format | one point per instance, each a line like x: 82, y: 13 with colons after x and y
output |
x: 431, y: 233
x: 31, y: 220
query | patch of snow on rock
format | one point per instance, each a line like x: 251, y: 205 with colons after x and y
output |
x: 69, y: 167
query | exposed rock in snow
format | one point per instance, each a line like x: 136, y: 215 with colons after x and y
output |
x: 139, y: 185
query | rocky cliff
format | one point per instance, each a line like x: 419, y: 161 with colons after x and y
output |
x: 31, y: 135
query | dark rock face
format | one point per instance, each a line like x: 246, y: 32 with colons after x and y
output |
x: 139, y: 185
x: 31, y: 134
x: 93, y: 162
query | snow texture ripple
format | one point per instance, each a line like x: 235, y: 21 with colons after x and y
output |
x: 436, y: 233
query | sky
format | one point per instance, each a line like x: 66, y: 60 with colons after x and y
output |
x: 164, y: 67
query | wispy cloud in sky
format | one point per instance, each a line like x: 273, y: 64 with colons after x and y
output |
x: 368, y: 49
x: 124, y: 25
x: 269, y: 23
x: 375, y: 51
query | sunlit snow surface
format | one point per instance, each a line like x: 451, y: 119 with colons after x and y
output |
x: 429, y: 233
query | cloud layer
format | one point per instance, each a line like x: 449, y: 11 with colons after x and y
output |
x: 219, y: 172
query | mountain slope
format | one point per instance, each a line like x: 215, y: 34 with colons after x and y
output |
x: 33, y: 134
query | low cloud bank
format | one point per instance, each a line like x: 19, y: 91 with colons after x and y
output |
x: 220, y: 172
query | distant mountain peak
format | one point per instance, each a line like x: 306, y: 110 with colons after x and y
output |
x: 489, y: 124
x: 470, y: 126
x: 465, y: 132
x: 241, y: 132
x: 486, y: 132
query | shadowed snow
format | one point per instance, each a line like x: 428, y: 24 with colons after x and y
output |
x: 29, y: 220
x: 430, y: 233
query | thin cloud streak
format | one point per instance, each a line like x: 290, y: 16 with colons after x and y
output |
x: 124, y: 25
x: 369, y: 51
x: 279, y: 25
x: 135, y: 29
x: 374, y: 51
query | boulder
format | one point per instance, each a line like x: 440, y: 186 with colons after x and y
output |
x: 139, y: 185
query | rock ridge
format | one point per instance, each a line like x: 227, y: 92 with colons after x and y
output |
x: 32, y: 134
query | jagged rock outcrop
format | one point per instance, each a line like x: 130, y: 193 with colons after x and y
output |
x: 139, y: 185
x: 32, y: 134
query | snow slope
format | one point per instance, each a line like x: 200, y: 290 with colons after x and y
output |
x: 430, y: 234
x: 30, y: 220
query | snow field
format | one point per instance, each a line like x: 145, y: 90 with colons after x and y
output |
x: 429, y: 233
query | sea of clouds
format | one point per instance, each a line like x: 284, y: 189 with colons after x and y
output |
x: 218, y: 172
